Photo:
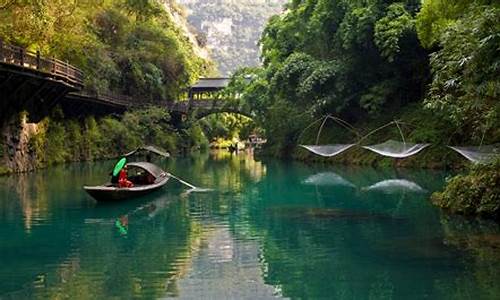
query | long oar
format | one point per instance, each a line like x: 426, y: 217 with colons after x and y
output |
x: 193, y: 188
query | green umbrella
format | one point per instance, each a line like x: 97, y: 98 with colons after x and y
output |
x: 119, y: 166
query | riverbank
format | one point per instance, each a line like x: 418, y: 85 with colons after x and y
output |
x: 418, y: 126
x: 474, y: 192
x: 29, y: 146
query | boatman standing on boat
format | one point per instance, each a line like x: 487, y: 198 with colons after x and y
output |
x: 123, y: 182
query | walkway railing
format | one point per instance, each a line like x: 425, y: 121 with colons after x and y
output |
x: 60, y: 70
x: 115, y: 99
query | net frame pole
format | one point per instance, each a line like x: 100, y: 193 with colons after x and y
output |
x: 400, y: 132
x: 374, y: 131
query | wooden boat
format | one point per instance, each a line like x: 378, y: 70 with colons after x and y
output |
x: 145, y: 176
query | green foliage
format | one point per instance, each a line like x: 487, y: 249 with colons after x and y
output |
x: 60, y: 140
x: 466, y: 87
x: 116, y: 137
x: 227, y: 126
x: 391, y: 28
x: 363, y: 61
x: 436, y: 16
x: 129, y: 47
x: 355, y: 59
x: 197, y: 138
x: 475, y: 194
x: 55, y: 148
x: 91, y: 138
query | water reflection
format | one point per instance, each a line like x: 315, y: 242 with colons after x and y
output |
x: 391, y: 186
x: 326, y: 179
x: 270, y: 229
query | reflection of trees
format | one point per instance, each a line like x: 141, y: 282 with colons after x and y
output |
x: 336, y: 242
x: 79, y: 253
x: 482, y: 239
x: 34, y: 247
x: 146, y: 263
x: 32, y: 198
x: 224, y: 171
x: 316, y: 241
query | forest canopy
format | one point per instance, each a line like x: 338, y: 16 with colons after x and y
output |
x: 370, y: 60
x: 128, y: 47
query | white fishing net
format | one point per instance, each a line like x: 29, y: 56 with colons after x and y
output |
x: 327, y: 179
x: 396, y: 149
x: 480, y: 154
x: 327, y: 150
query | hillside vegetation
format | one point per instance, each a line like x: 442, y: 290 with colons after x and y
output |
x: 434, y: 66
x: 135, y: 48
x: 231, y: 29
x: 127, y: 47
x: 373, y: 63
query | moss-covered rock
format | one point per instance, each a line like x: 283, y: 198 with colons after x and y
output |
x: 476, y: 193
x: 4, y: 170
x: 57, y: 139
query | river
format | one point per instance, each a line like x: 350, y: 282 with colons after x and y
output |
x: 270, y: 229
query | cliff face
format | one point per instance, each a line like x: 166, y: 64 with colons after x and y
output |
x: 178, y: 15
x: 231, y: 29
x: 17, y: 154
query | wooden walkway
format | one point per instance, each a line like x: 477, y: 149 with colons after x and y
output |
x: 49, y: 67
x: 45, y: 82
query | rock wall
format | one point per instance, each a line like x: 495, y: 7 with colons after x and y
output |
x: 231, y: 29
x: 17, y: 155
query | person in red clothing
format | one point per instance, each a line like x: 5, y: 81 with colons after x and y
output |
x: 123, y: 182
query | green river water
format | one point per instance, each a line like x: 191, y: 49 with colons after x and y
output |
x: 270, y: 229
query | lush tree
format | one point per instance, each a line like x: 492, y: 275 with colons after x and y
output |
x: 356, y: 59
x: 131, y: 47
x: 465, y: 87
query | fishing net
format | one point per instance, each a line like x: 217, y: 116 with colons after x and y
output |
x: 327, y: 179
x: 480, y: 154
x: 396, y: 149
x: 327, y: 150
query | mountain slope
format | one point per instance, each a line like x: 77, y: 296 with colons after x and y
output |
x: 231, y: 28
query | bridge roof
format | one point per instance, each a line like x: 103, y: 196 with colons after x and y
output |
x: 210, y: 84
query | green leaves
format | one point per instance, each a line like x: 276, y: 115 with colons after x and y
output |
x: 466, y: 86
x: 128, y: 47
x: 357, y: 27
x: 390, y: 29
x: 476, y: 193
x: 352, y: 58
x: 436, y: 16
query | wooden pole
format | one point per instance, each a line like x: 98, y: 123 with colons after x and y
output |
x: 1, y: 50
x: 67, y: 70
x: 53, y: 71
x: 38, y: 59
x: 21, y: 50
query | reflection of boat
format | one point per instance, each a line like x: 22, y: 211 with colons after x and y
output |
x: 394, y: 186
x: 145, y: 176
x: 327, y: 179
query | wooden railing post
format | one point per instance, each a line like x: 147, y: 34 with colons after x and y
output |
x: 53, y: 67
x: 38, y: 59
x: 21, y: 50
x: 1, y: 50
x: 66, y: 73
x: 22, y: 57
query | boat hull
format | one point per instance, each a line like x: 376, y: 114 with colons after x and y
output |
x: 104, y: 193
